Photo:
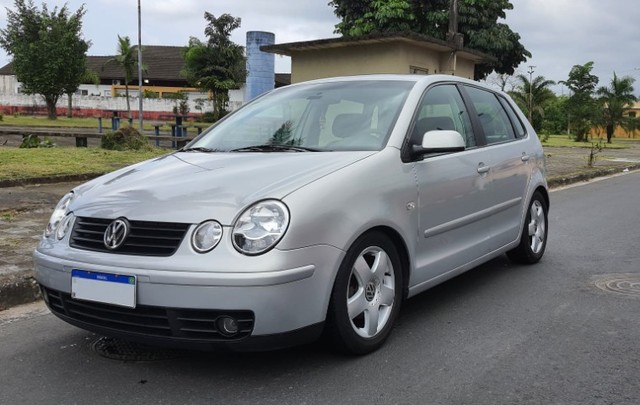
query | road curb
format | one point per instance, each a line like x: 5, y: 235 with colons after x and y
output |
x: 18, y: 289
x: 49, y: 179
x: 564, y: 180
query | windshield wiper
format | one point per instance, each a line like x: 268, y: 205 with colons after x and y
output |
x: 198, y: 149
x: 276, y: 148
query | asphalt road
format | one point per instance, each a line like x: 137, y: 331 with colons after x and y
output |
x: 565, y: 331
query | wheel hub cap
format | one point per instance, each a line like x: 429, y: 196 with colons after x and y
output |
x: 370, y: 291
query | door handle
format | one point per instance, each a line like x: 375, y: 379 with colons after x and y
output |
x: 482, y: 169
x: 525, y: 157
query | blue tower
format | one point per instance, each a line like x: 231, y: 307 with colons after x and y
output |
x: 260, y: 65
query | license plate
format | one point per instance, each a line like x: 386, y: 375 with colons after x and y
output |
x: 107, y: 288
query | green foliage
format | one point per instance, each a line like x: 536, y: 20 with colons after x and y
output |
x: 217, y: 65
x: 33, y: 141
x: 532, y: 97
x: 1, y: 117
x: 616, y: 99
x: 49, y: 54
x: 593, y: 153
x: 209, y: 116
x: 581, y: 105
x: 477, y: 21
x: 126, y: 138
x: 556, y: 118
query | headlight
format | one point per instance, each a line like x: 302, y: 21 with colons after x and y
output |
x: 260, y: 227
x: 64, y: 226
x: 206, y: 236
x: 58, y: 213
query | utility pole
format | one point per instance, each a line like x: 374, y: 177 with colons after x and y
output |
x: 140, y: 95
x: 530, y: 93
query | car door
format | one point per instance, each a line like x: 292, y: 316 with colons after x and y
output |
x: 453, y: 190
x: 507, y: 159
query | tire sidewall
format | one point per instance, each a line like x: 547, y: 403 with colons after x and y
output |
x: 339, y: 324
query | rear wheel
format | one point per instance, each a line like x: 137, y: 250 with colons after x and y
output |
x: 533, y: 240
x: 366, y: 295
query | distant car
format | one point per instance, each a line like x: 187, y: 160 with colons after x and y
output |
x: 319, y: 206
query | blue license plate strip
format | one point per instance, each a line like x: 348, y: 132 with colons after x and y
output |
x: 116, y: 289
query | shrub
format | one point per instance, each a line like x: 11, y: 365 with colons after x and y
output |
x: 33, y: 141
x: 126, y: 138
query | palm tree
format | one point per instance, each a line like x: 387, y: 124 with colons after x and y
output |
x: 616, y: 99
x: 127, y: 58
x: 531, y: 97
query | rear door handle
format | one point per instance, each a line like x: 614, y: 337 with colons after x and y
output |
x: 482, y: 169
x: 525, y: 157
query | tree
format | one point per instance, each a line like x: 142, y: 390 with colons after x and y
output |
x: 617, y: 98
x: 477, y: 21
x: 127, y: 59
x: 581, y: 105
x: 49, y: 54
x: 532, y: 97
x: 89, y: 76
x: 556, y: 118
x: 217, y: 65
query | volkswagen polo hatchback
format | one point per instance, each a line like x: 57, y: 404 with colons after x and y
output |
x: 318, y: 207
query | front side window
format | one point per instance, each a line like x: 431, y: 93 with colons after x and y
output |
x: 442, y: 108
x: 335, y: 116
x: 491, y: 115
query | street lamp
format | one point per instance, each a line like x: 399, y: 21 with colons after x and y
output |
x: 140, y: 67
x: 530, y: 93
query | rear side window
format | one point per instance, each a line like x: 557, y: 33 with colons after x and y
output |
x: 492, y: 116
x: 521, y: 132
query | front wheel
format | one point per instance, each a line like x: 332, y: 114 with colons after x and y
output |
x: 533, y: 240
x: 366, y: 295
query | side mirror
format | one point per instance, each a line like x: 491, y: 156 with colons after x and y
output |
x: 439, y: 142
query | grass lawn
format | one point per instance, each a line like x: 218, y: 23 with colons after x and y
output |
x: 18, y: 163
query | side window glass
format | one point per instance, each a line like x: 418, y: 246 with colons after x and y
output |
x: 521, y: 132
x: 442, y: 108
x: 492, y: 116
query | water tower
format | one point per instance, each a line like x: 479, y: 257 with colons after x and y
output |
x: 260, y: 65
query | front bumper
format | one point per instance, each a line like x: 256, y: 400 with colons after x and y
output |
x: 282, y: 304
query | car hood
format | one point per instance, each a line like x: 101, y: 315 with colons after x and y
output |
x: 190, y: 187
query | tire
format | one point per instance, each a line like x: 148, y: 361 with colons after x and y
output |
x: 533, y: 240
x: 366, y: 295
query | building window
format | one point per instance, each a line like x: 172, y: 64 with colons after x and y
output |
x: 632, y: 114
x: 81, y: 92
x: 414, y: 70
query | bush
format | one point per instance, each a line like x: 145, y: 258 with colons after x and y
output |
x: 126, y: 138
x: 32, y: 141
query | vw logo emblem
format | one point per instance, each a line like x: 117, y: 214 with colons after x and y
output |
x: 116, y: 233
x: 370, y: 291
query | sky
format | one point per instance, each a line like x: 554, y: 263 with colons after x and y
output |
x: 558, y: 33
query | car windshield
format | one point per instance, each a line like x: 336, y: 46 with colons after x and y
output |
x: 335, y: 116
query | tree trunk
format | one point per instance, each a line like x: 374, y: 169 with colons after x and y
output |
x: 126, y: 94
x: 609, y: 133
x: 51, y: 101
x: 70, y: 105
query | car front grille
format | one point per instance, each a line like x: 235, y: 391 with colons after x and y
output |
x: 186, y: 324
x: 145, y: 238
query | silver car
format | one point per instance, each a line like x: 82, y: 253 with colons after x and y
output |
x: 317, y: 208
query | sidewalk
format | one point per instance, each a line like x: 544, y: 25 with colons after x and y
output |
x: 25, y: 211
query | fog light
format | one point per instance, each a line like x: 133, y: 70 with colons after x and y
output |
x: 227, y: 325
